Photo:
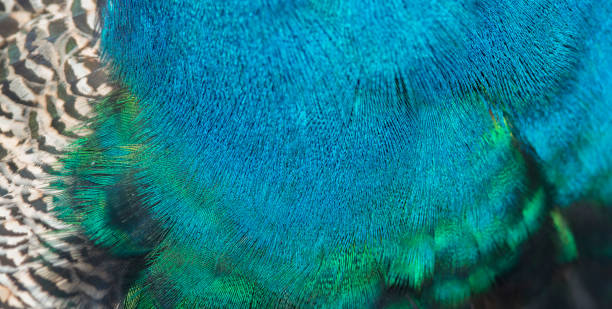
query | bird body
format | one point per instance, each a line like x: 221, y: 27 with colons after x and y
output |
x: 321, y: 153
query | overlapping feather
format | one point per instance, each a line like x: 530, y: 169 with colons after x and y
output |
x: 317, y: 153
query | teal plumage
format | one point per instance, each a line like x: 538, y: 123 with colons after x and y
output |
x: 318, y: 153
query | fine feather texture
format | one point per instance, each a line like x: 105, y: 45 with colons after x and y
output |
x: 316, y: 153
x: 49, y: 69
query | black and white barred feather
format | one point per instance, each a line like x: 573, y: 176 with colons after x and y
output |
x: 49, y: 74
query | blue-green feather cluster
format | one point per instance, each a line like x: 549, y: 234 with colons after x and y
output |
x: 317, y: 153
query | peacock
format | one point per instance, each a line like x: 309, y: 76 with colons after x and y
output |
x: 314, y: 153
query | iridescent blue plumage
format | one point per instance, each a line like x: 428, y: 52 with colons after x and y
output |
x: 315, y: 153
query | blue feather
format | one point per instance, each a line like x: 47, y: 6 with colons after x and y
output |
x: 316, y: 153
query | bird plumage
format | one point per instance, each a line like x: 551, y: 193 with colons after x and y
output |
x: 49, y: 72
x: 321, y: 153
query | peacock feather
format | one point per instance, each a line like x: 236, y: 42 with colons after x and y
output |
x: 330, y: 153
